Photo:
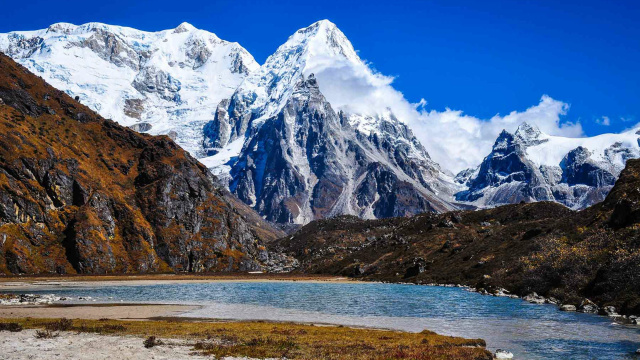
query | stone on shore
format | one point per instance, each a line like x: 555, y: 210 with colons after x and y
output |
x: 610, y: 311
x: 503, y: 354
x: 567, y: 307
x: 28, y: 299
x: 589, y: 307
x: 534, y: 298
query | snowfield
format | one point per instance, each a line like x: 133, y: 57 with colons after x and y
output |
x: 165, y: 82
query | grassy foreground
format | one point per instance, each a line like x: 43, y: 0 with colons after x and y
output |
x: 265, y: 339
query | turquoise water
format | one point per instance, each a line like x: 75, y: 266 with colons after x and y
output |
x: 529, y: 331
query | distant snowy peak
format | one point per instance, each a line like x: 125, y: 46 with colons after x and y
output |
x: 184, y: 27
x: 320, y: 50
x: 269, y: 88
x: 165, y: 82
x: 530, y: 165
x: 320, y: 40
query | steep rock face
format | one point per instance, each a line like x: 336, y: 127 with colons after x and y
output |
x: 294, y: 157
x: 307, y: 162
x: 82, y: 194
x: 167, y: 82
x: 531, y: 166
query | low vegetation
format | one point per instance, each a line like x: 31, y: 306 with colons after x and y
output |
x: 10, y: 326
x: 163, y: 277
x: 59, y: 325
x: 276, y: 340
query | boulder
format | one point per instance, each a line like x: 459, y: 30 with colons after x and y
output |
x: 501, y: 292
x: 534, y: 298
x: 552, y: 300
x: 567, y: 307
x: 609, y: 311
x: 445, y: 223
x: 503, y: 354
x: 587, y: 306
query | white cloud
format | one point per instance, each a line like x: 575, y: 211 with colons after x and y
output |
x: 458, y: 141
x: 453, y: 139
x: 604, y: 121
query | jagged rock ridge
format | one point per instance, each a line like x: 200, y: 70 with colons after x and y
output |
x: 529, y: 165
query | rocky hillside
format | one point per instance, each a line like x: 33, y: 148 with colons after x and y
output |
x: 539, y: 247
x: 81, y: 194
x: 529, y: 165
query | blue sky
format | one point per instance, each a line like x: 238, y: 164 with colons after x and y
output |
x: 483, y: 58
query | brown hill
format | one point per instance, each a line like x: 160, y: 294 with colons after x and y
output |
x: 79, y: 193
x: 538, y: 247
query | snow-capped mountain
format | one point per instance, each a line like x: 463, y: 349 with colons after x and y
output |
x: 165, y: 82
x: 313, y: 132
x: 529, y: 165
x: 296, y: 150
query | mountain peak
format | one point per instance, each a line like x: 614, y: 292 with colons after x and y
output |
x: 62, y: 27
x: 503, y: 141
x: 318, y: 45
x: 318, y: 26
x: 184, y: 27
x: 322, y: 38
x: 528, y: 131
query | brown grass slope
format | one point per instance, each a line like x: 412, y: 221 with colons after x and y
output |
x: 81, y: 194
x: 542, y: 247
